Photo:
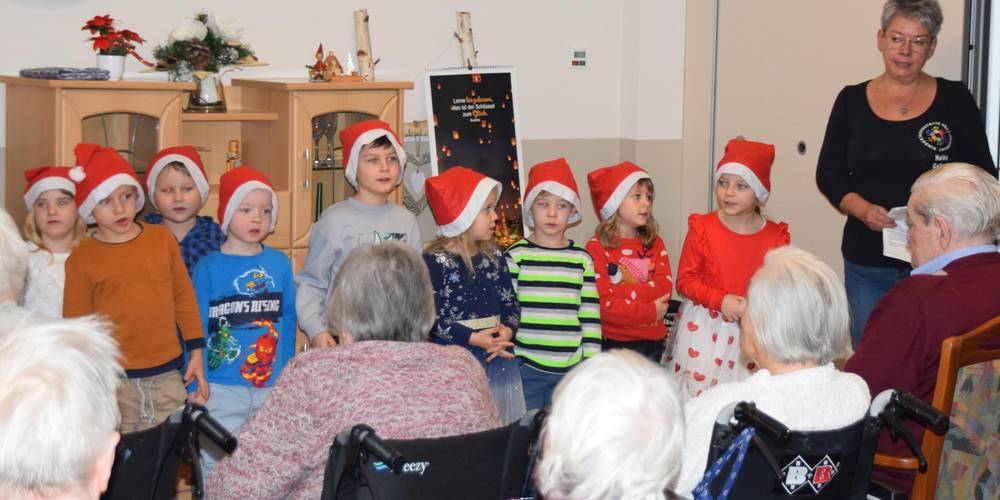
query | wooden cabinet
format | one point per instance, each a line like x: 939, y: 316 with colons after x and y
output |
x: 272, y: 119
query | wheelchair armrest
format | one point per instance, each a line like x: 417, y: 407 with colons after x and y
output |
x: 896, y: 462
x: 884, y: 491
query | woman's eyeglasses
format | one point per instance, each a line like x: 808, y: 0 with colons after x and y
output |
x: 919, y: 44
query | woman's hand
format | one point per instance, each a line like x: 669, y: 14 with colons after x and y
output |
x: 874, y: 216
x: 732, y: 307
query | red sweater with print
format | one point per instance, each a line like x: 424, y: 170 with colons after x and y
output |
x: 629, y: 278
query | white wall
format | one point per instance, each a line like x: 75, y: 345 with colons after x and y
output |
x: 557, y: 100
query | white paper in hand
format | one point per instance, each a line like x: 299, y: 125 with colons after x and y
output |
x: 894, y: 238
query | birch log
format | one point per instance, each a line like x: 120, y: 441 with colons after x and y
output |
x: 416, y: 128
x: 365, y: 66
x: 465, y: 39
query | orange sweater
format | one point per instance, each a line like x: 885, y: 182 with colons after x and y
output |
x: 143, y: 288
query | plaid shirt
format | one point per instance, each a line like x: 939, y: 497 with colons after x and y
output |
x: 203, y: 238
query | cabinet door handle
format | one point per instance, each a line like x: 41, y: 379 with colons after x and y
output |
x: 306, y: 170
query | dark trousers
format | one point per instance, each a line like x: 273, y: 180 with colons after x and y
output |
x: 651, y: 349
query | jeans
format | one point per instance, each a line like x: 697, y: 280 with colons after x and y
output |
x: 538, y: 386
x: 865, y: 287
x: 231, y: 406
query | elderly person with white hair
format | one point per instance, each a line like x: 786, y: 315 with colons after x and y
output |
x: 615, y: 431
x: 13, y: 262
x: 795, y: 323
x: 954, y: 217
x: 386, y: 375
x: 58, y: 410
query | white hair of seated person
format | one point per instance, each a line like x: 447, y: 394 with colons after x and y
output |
x: 13, y: 259
x: 964, y: 195
x: 58, y: 410
x: 798, y: 309
x: 615, y: 431
x: 382, y: 292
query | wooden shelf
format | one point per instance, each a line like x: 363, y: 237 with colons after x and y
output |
x: 98, y: 84
x: 233, y: 115
x: 303, y: 84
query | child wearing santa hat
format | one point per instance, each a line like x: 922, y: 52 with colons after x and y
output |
x: 631, y: 263
x: 246, y: 295
x: 52, y: 228
x: 178, y: 188
x: 554, y: 279
x: 373, y: 166
x: 133, y: 275
x: 721, y: 252
x: 474, y: 298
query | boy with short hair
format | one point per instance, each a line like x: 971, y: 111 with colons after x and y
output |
x: 133, y: 275
x: 373, y: 164
x: 554, y: 280
x: 246, y: 296
x: 177, y: 189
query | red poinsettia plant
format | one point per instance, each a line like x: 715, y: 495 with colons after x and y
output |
x: 109, y: 40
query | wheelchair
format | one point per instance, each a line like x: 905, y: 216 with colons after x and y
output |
x: 493, y: 464
x: 835, y: 464
x: 146, y: 462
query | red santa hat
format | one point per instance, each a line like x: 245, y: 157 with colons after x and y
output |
x: 751, y: 161
x: 98, y: 173
x: 555, y: 177
x: 235, y: 185
x: 42, y: 179
x: 610, y: 185
x: 457, y: 196
x: 361, y: 134
x: 185, y: 155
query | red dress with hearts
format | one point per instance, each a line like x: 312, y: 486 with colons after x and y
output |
x: 629, y: 278
x: 715, y: 262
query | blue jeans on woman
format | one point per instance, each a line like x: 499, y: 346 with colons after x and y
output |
x: 866, y: 285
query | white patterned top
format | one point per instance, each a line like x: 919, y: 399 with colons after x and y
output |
x: 46, y: 280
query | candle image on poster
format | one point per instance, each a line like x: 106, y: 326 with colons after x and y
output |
x: 473, y: 124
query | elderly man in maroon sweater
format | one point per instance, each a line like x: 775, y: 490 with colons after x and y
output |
x: 954, y: 217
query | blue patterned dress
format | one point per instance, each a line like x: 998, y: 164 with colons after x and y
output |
x: 465, y: 304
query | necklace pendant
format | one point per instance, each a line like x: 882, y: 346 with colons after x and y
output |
x: 904, y: 110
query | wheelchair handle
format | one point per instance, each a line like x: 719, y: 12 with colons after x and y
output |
x: 210, y: 427
x: 747, y: 414
x: 921, y: 412
x: 365, y: 436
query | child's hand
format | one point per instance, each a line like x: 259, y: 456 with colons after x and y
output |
x: 483, y: 339
x: 661, y: 304
x: 490, y: 340
x: 196, y: 371
x: 323, y: 339
x: 732, y: 307
x: 194, y: 398
x: 506, y: 334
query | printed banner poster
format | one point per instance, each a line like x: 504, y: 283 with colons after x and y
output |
x: 473, y: 124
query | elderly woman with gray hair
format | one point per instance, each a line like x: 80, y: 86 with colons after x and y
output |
x: 882, y: 134
x: 386, y: 375
x: 795, y: 323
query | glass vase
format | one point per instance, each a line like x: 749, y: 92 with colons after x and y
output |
x: 208, y: 95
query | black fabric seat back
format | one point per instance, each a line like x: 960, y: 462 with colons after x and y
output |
x: 494, y: 464
x: 832, y: 464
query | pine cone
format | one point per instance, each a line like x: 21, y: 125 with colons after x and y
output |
x: 198, y: 55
